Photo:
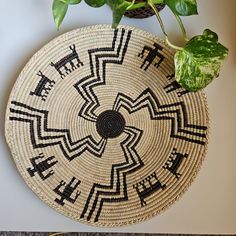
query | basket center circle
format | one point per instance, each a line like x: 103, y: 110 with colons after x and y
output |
x: 110, y: 124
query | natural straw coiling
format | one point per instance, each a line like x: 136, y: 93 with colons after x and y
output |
x: 136, y: 123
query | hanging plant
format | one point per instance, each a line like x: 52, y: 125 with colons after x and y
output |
x: 196, y: 64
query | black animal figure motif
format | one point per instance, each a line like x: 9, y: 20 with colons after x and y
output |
x: 42, y: 165
x: 174, y: 161
x: 67, y: 63
x: 152, y: 54
x: 170, y: 77
x: 43, y: 87
x: 173, y: 86
x: 68, y: 190
x: 147, y: 187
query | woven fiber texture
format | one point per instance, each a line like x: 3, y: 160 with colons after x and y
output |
x: 100, y: 130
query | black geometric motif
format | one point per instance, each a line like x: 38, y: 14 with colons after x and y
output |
x: 176, y: 113
x: 174, y: 85
x: 116, y: 191
x: 174, y: 161
x: 62, y: 64
x: 43, y: 87
x: 99, y: 58
x: 40, y: 165
x: 67, y: 192
x: 152, y: 54
x: 110, y: 124
x: 42, y: 136
x: 147, y: 187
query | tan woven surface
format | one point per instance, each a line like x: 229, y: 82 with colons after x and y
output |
x: 99, y: 129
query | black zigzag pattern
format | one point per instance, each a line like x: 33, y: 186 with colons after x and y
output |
x: 175, y: 112
x: 99, y: 58
x: 42, y: 136
x: 116, y: 191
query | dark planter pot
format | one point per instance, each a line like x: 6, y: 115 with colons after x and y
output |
x: 143, y: 12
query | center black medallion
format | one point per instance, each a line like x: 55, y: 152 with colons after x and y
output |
x: 110, y: 124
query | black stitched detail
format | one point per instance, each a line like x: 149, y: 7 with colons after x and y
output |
x: 43, y: 136
x: 176, y: 113
x: 99, y: 58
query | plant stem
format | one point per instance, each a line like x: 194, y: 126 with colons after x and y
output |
x: 141, y: 4
x: 172, y: 45
x: 152, y: 5
x: 182, y: 27
x: 130, y: 6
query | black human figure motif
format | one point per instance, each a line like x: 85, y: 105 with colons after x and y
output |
x: 43, y: 87
x: 147, y: 187
x: 42, y: 165
x: 68, y: 60
x: 68, y: 190
x: 174, y: 161
x: 152, y: 54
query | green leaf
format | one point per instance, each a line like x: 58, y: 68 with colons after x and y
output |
x: 95, y: 3
x: 200, y: 60
x: 59, y: 10
x: 182, y: 7
x: 118, y: 8
x: 73, y: 2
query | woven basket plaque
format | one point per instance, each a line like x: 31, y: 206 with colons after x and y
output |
x: 100, y: 130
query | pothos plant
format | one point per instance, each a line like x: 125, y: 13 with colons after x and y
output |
x: 196, y: 64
